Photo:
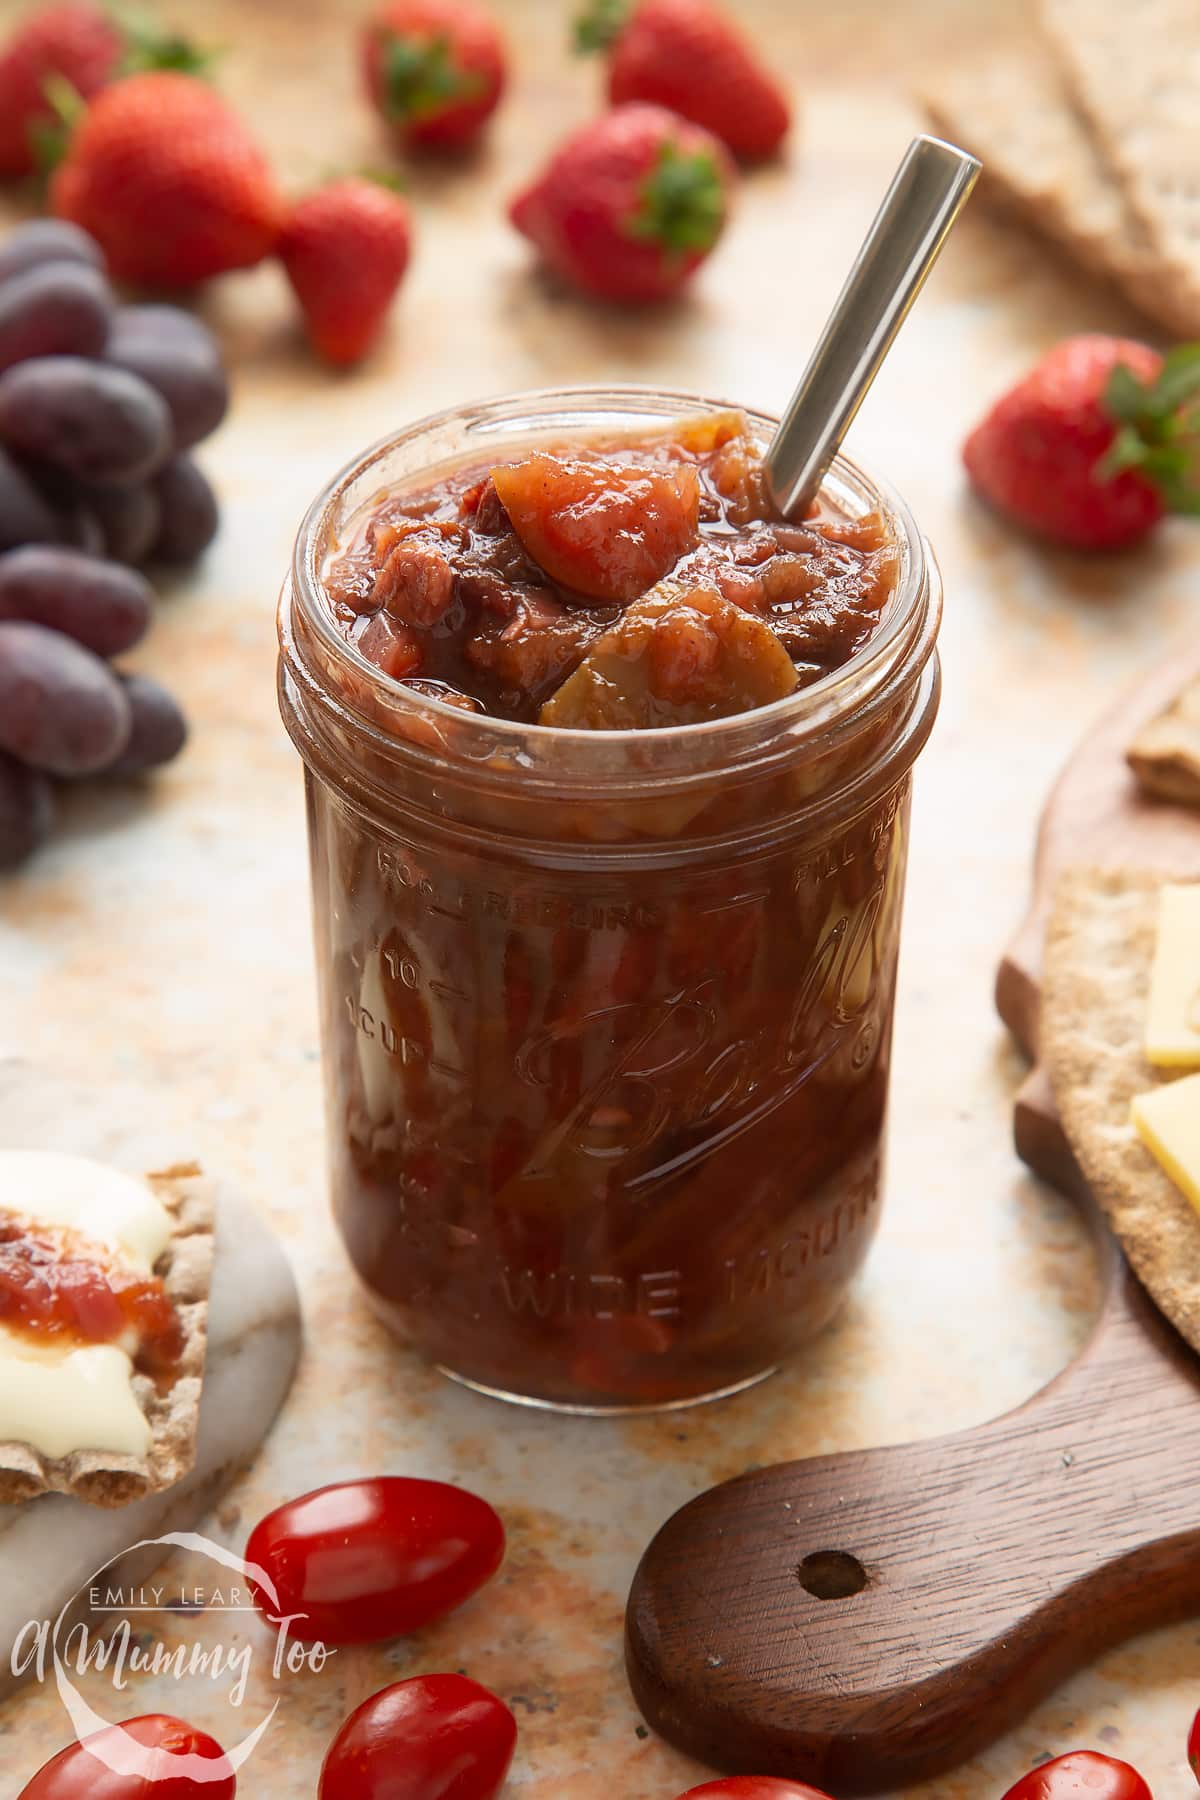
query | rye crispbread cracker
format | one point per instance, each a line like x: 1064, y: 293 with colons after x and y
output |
x: 1040, y: 160
x: 1165, y: 754
x: 185, y: 1268
x: 1099, y: 948
x: 1134, y: 71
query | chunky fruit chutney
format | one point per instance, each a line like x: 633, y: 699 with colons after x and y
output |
x: 611, y: 587
x: 608, y: 772
x: 57, y: 1286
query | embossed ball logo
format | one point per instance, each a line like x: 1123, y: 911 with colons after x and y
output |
x: 70, y: 1648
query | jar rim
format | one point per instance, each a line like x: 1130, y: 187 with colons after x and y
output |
x: 809, y: 711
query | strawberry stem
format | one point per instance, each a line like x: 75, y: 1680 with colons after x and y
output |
x: 391, y: 179
x: 148, y: 46
x: 1157, y: 428
x: 420, y: 76
x: 682, y: 202
x: 601, y: 23
x: 48, y: 138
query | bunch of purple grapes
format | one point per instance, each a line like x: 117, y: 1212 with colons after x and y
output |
x: 99, y: 406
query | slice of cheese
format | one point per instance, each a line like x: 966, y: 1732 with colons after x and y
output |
x: 1167, y: 1119
x: 60, y: 1399
x: 1173, y: 1016
x: 83, y: 1400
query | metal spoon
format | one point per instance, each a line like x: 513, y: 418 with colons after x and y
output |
x: 928, y: 192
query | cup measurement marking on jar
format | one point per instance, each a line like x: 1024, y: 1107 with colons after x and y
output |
x: 406, y: 1050
x: 405, y: 971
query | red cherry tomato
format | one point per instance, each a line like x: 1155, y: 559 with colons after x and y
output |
x: 1081, y: 1775
x: 437, y: 1737
x: 1194, y: 1746
x: 754, y: 1787
x: 365, y: 1560
x: 157, y: 1756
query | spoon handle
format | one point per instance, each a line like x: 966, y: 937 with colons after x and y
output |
x: 927, y: 194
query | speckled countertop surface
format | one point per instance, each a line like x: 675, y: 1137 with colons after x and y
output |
x: 162, y: 944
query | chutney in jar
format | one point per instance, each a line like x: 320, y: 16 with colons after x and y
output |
x: 608, y: 770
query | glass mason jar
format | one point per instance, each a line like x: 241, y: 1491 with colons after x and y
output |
x: 606, y: 1016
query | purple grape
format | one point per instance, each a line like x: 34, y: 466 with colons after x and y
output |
x: 45, y: 241
x: 26, y: 811
x: 189, y: 512
x: 79, y: 528
x: 179, y: 356
x: 77, y: 521
x: 53, y: 309
x: 159, y: 727
x: 61, y: 708
x: 157, y: 323
x: 99, y: 604
x: 98, y: 423
x: 195, y: 389
x: 128, y: 518
x: 26, y: 516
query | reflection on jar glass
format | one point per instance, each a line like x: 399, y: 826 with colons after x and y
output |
x: 606, y: 1016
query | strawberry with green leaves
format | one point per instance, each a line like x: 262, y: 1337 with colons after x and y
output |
x: 169, y: 181
x: 434, y: 70
x: 73, y: 43
x: 628, y: 208
x: 74, y: 47
x: 1096, y: 444
x: 690, y: 56
x: 345, y: 249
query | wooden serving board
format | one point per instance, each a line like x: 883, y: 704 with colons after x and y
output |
x: 866, y: 1620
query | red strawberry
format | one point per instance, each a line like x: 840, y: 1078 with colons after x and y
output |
x: 1095, y: 445
x: 77, y: 43
x: 434, y: 69
x: 345, y: 249
x: 168, y: 180
x: 71, y: 50
x: 631, y: 205
x: 688, y: 55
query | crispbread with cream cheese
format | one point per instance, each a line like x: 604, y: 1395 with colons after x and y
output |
x: 113, y: 1480
x: 1099, y: 949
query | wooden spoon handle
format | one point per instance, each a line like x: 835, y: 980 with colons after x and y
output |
x: 866, y: 1620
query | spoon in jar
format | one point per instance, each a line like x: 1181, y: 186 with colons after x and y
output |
x: 928, y: 192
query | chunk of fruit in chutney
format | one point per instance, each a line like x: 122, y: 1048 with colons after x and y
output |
x: 674, y: 657
x: 604, y: 529
x: 390, y: 647
x: 415, y: 581
x: 701, y: 433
